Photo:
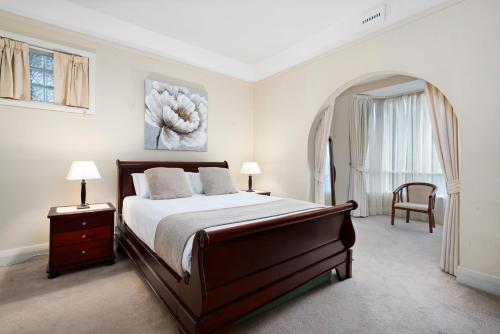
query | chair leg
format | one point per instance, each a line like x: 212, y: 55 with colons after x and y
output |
x: 392, y: 215
x: 407, y: 216
x: 431, y: 221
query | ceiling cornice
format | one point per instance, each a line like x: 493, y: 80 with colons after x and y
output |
x: 76, y: 18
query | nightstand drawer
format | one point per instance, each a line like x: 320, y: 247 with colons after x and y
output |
x: 82, y: 223
x: 83, y: 252
x: 75, y: 237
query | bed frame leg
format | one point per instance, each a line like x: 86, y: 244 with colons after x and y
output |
x: 344, y: 270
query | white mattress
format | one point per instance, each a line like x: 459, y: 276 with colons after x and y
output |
x: 143, y: 215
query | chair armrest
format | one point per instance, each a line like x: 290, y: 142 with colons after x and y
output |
x: 432, y: 198
x: 401, y: 187
x: 397, y: 194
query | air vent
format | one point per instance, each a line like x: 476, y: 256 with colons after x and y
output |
x: 373, y: 17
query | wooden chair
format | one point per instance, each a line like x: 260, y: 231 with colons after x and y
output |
x: 418, y: 193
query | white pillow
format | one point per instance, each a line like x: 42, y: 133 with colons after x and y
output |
x: 194, y: 180
x: 140, y: 185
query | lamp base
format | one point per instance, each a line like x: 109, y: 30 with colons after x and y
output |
x: 83, y: 206
x: 250, y: 191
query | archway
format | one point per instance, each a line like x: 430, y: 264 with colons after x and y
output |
x: 362, y: 81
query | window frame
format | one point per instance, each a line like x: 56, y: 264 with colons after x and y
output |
x: 41, y: 45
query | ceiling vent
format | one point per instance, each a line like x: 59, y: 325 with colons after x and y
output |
x: 373, y: 17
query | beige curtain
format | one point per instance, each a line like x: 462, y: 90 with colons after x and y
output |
x: 320, y: 144
x: 358, y: 142
x: 71, y: 80
x: 14, y: 70
x: 445, y: 129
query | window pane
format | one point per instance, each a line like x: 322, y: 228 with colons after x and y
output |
x: 37, y: 93
x: 36, y: 59
x: 36, y: 77
x: 49, y: 79
x: 49, y: 95
x: 49, y: 63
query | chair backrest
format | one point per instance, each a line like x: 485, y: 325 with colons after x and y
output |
x: 419, y: 192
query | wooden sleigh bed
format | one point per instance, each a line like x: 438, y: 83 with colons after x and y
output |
x: 237, y: 270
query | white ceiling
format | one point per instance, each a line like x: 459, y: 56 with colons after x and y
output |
x: 246, y: 30
x: 247, y: 39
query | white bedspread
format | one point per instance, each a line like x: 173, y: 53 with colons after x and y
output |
x: 143, y: 215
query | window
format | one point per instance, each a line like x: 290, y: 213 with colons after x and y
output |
x: 41, y: 76
x: 401, y: 147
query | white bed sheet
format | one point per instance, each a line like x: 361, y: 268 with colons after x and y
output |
x: 143, y: 215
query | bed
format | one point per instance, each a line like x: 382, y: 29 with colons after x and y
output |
x: 231, y: 271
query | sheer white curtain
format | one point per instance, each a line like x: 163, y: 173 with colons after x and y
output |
x: 358, y: 144
x: 401, y: 149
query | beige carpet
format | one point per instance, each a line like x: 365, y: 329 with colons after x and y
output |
x: 397, y: 287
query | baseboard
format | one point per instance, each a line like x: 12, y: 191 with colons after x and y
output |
x: 478, y: 280
x: 16, y: 255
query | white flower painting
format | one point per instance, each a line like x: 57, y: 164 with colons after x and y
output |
x: 175, y: 118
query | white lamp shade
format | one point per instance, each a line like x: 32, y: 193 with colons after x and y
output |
x: 83, y: 170
x: 250, y: 168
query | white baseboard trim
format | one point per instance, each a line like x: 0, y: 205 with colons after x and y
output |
x: 15, y: 255
x: 478, y: 280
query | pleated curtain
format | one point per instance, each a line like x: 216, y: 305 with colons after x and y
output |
x: 14, y: 70
x: 445, y: 129
x: 358, y: 145
x: 71, y: 80
x: 320, y: 146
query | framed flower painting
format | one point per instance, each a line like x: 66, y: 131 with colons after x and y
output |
x: 175, y: 117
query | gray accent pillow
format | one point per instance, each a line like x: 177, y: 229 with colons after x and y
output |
x: 167, y: 183
x: 216, y: 181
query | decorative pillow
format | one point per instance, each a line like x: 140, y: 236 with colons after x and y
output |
x: 140, y: 185
x: 167, y: 183
x: 194, y: 181
x: 217, y: 181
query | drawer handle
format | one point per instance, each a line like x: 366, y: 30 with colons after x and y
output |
x: 84, y: 236
x: 83, y: 252
x: 84, y: 223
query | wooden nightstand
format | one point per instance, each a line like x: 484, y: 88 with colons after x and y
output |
x: 261, y: 192
x: 80, y: 237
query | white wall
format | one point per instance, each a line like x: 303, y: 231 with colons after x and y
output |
x: 458, y: 50
x: 37, y: 146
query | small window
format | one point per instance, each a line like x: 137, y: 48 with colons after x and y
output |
x: 42, y: 76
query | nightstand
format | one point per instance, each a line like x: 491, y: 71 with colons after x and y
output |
x: 80, y: 237
x: 261, y: 192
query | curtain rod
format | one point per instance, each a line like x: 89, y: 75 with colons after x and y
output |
x: 392, y: 96
x: 40, y: 48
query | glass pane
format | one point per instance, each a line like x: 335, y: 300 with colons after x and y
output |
x: 49, y: 79
x: 49, y: 95
x: 36, y: 77
x: 36, y: 59
x: 49, y: 62
x: 37, y: 93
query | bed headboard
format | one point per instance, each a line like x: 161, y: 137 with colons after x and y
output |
x: 126, y: 168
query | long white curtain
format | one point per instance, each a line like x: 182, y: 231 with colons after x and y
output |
x: 400, y: 150
x: 358, y: 144
x: 445, y: 127
x: 320, y: 146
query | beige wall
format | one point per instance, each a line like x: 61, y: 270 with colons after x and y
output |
x: 456, y: 49
x: 37, y: 146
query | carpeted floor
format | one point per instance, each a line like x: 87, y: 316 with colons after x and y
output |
x: 397, y: 287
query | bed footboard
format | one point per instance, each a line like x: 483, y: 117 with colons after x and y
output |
x: 242, y: 268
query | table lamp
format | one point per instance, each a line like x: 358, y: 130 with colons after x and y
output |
x: 250, y: 168
x: 83, y: 170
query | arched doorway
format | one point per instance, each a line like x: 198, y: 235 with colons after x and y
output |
x: 396, y: 87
